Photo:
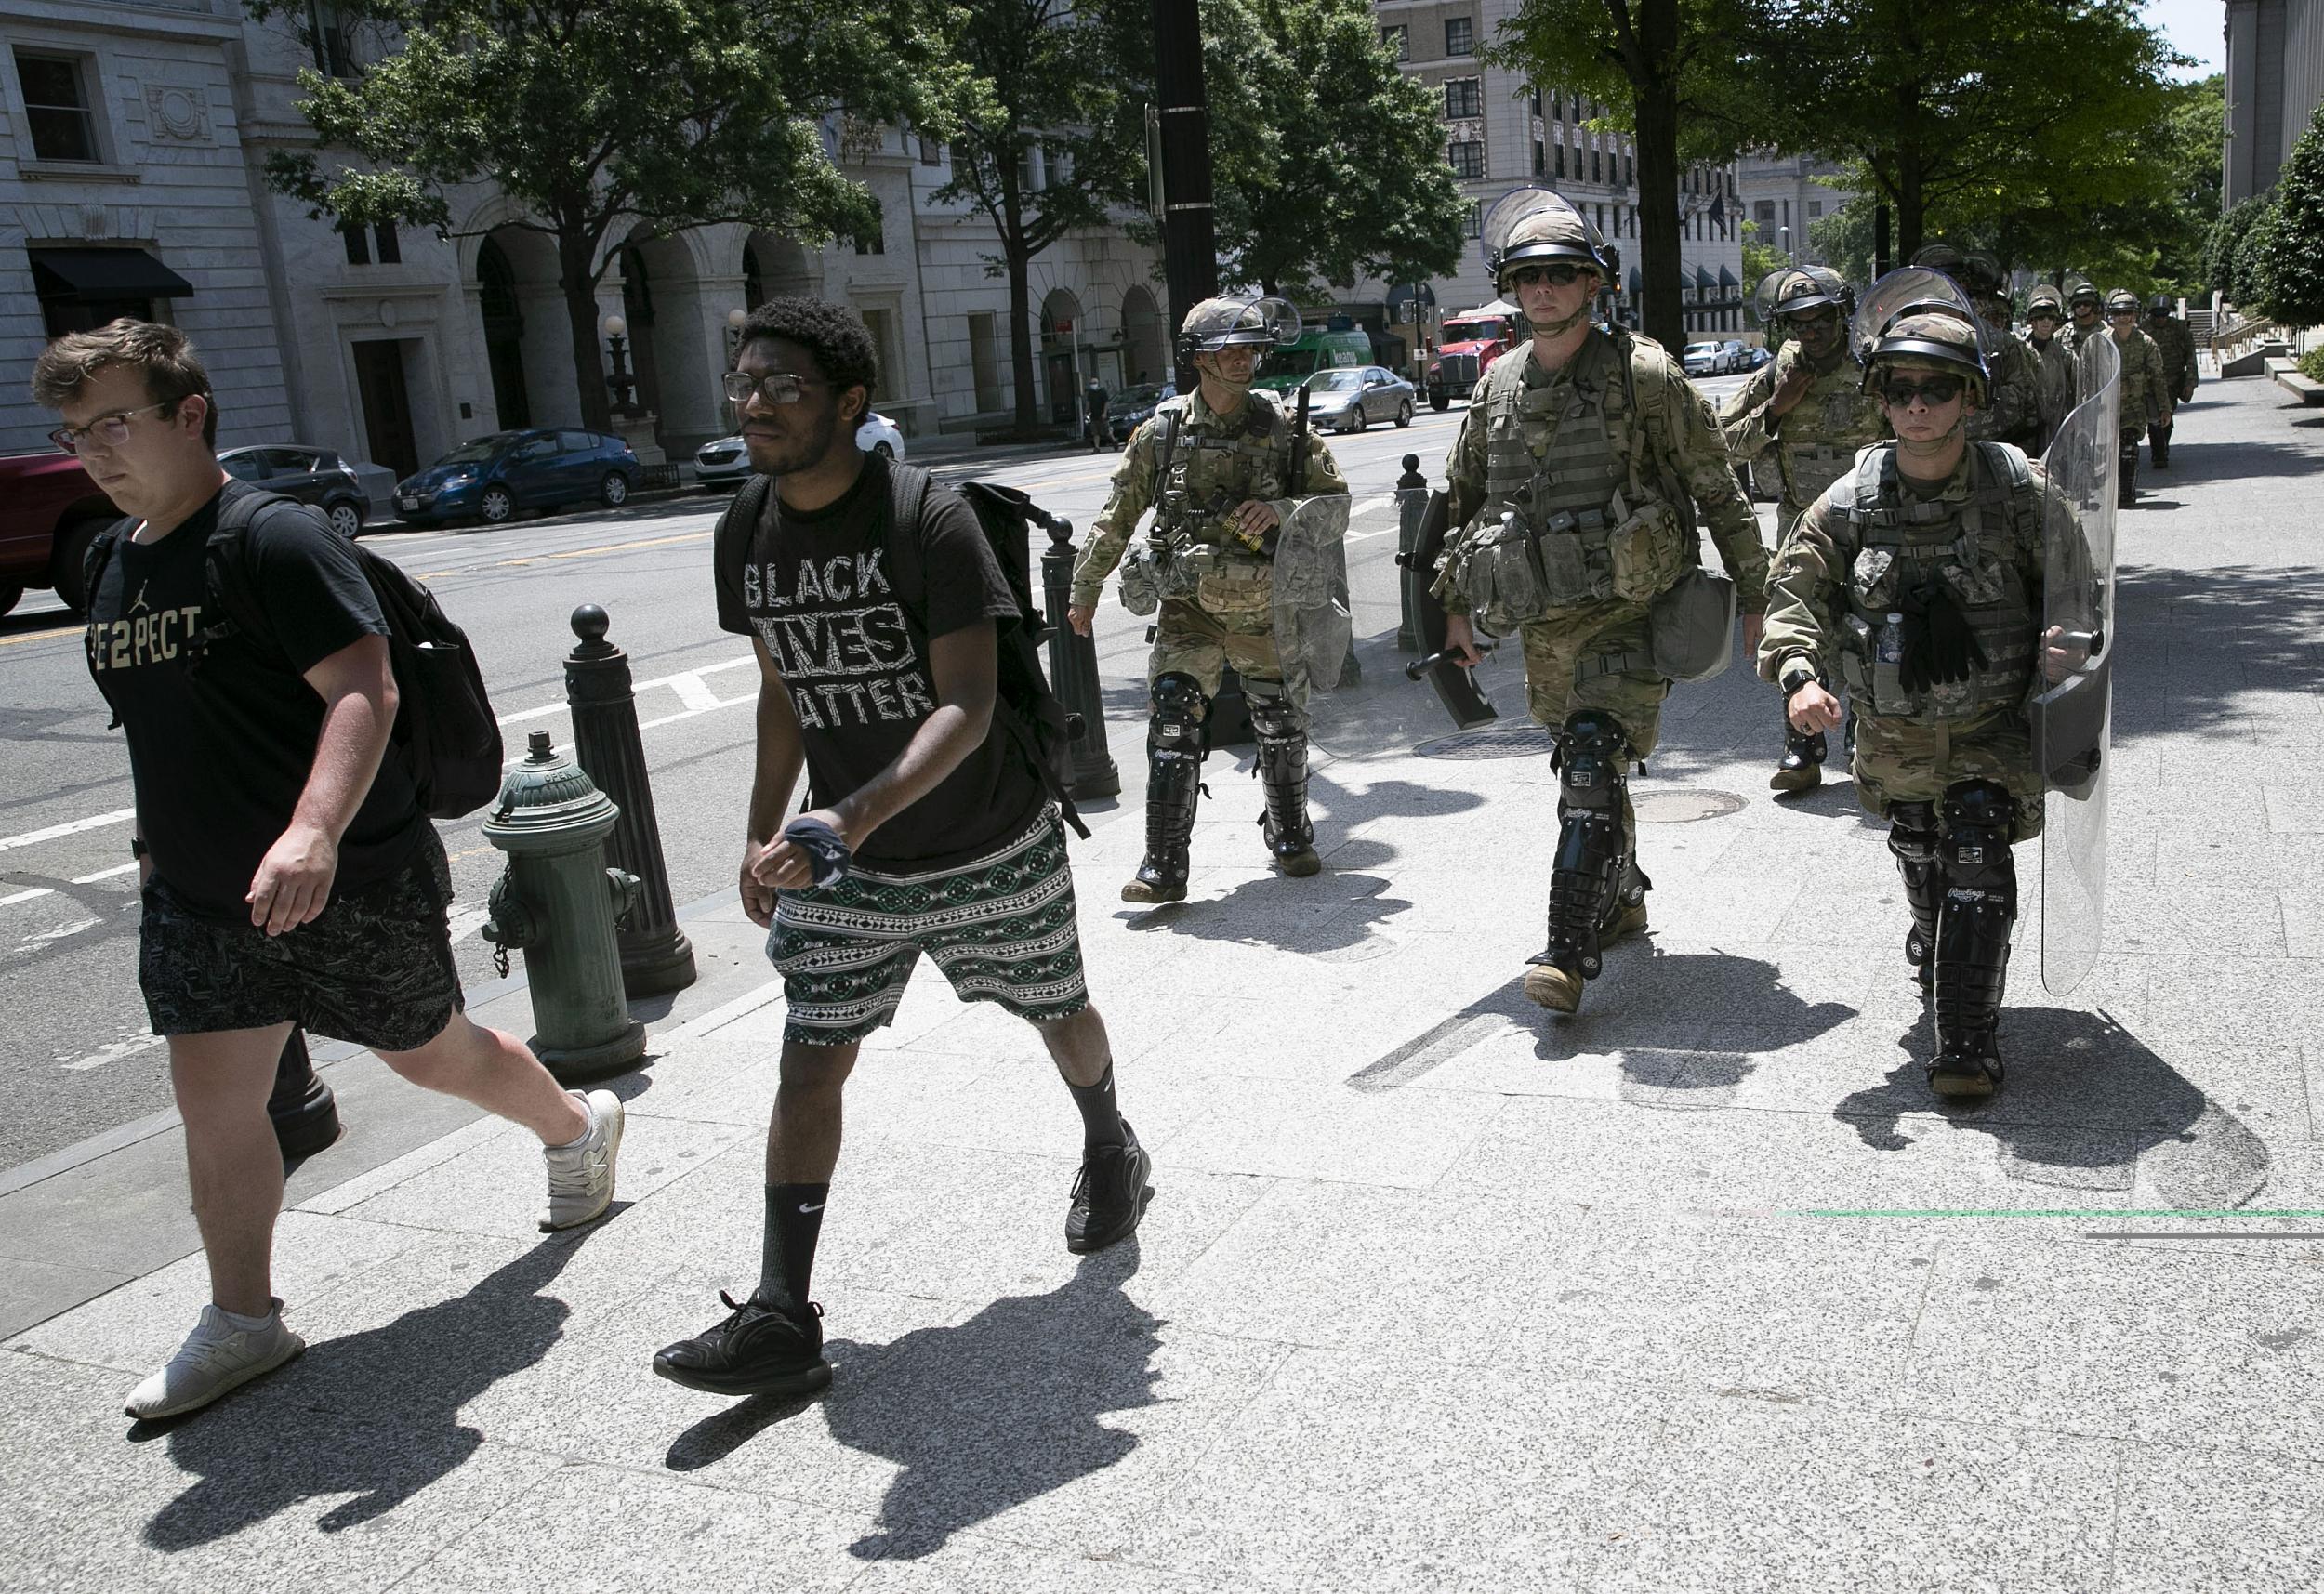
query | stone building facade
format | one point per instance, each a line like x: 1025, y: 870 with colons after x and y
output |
x: 1786, y: 196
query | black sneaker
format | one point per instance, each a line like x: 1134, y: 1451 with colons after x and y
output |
x: 760, y: 1350
x: 1110, y: 1194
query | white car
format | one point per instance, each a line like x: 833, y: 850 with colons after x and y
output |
x: 1701, y: 358
x: 726, y: 462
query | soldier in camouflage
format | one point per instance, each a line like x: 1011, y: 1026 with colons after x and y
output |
x: 2058, y: 388
x: 2084, y: 309
x: 1806, y: 410
x: 1917, y: 582
x: 2146, y: 389
x: 1573, y: 485
x: 2177, y: 342
x: 1216, y: 466
x: 2013, y: 411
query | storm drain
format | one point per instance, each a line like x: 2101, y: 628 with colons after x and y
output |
x: 1682, y: 806
x: 1495, y: 742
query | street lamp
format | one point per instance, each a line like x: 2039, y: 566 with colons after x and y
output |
x: 617, y: 340
x: 1783, y: 241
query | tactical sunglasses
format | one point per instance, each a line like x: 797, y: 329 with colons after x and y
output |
x: 1932, y: 390
x: 1557, y: 276
x: 775, y: 387
x: 1809, y: 321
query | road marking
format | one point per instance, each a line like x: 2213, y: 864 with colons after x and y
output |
x: 694, y: 692
x: 72, y: 827
x: 27, y: 896
x: 114, y: 1053
x: 41, y: 636
x: 467, y: 921
x: 61, y: 932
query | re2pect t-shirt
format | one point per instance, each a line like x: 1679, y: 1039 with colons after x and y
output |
x: 819, y: 589
x: 220, y: 755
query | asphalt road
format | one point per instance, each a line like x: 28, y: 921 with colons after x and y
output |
x: 76, y: 1058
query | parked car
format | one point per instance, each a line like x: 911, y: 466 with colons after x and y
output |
x: 1700, y: 359
x: 311, y: 475
x: 49, y: 512
x: 1131, y: 408
x: 1354, y: 398
x: 1757, y: 356
x: 1733, y: 356
x: 495, y: 476
x: 726, y: 462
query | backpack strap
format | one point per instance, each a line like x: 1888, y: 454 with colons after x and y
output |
x: 234, y: 610
x: 730, y: 541
x: 93, y: 566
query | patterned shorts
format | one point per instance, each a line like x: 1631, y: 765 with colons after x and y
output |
x: 374, y: 967
x: 1001, y: 927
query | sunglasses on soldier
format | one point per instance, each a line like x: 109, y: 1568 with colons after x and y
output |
x: 1813, y: 320
x: 1932, y: 390
x: 1556, y: 276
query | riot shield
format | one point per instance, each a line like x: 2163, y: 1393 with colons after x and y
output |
x: 1312, y: 624
x: 1907, y: 289
x: 2071, y: 709
x: 1501, y: 218
x: 1456, y: 688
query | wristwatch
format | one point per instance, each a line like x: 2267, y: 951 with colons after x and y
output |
x: 1795, y: 675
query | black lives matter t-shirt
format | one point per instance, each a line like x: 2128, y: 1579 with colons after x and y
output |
x: 819, y: 589
x: 220, y: 754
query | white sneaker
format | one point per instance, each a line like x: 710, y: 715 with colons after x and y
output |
x: 581, y: 1175
x: 216, y: 1357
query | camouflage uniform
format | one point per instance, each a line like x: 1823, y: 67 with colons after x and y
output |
x: 2014, y: 414
x: 2058, y: 387
x: 1216, y: 592
x: 2176, y: 344
x: 2145, y: 396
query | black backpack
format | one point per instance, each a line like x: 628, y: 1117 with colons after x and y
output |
x: 445, y: 733
x: 1025, y: 705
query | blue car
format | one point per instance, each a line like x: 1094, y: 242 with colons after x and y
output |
x: 492, y: 476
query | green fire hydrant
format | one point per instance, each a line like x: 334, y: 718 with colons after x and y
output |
x: 560, y: 904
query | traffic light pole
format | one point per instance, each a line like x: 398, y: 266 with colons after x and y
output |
x: 1190, y: 251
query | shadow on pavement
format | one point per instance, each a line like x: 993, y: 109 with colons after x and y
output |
x: 374, y: 1415
x: 2085, y: 1106
x: 980, y: 1416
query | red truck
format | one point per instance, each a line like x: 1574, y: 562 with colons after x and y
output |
x: 49, y: 509
x: 1470, y: 342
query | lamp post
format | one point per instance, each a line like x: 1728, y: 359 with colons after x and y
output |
x: 1783, y: 241
x: 617, y: 341
x: 734, y: 319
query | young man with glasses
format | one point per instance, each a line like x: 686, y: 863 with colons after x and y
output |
x: 287, y: 875
x: 1574, y: 487
x: 1915, y: 583
x: 1807, y: 411
x: 877, y: 644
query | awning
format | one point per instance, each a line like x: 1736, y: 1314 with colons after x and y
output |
x: 104, y: 274
x: 1726, y: 279
x: 1702, y: 281
x: 1633, y: 282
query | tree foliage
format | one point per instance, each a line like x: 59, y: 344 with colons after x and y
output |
x: 1329, y: 164
x: 600, y: 120
x: 1759, y: 258
x: 2228, y: 259
x: 2287, y: 250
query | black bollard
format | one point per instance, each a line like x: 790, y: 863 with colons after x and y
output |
x: 306, y: 1114
x: 1073, y: 667
x: 655, y: 955
x: 1412, y: 505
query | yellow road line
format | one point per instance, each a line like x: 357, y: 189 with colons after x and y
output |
x: 568, y: 553
x: 41, y: 636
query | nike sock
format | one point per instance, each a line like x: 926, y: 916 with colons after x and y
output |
x: 1101, y: 1120
x: 787, y: 1252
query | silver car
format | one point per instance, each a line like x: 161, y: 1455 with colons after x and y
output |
x: 1354, y: 396
x: 725, y: 462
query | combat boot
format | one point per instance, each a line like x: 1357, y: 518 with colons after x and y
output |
x: 1973, y: 931
x: 1282, y: 769
x: 2159, y: 445
x: 1594, y: 884
x: 1174, y: 753
x: 2126, y: 490
x: 1802, y: 766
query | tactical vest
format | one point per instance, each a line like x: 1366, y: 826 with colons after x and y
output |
x: 1211, y: 473
x: 1819, y: 438
x: 1901, y: 542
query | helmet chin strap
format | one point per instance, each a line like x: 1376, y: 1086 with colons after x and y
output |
x: 1558, y: 329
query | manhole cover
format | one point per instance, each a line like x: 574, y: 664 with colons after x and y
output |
x: 1497, y: 742
x: 1684, y: 807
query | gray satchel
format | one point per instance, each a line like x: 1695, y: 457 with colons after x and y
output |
x: 1692, y: 625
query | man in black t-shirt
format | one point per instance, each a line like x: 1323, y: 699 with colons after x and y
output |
x: 929, y: 832
x: 287, y: 876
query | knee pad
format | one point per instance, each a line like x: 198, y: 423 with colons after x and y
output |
x: 1592, y: 759
x: 1912, y: 833
x: 1978, y: 818
x: 1178, y: 713
x: 1274, y: 719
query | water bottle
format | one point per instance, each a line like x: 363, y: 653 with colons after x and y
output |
x: 1889, y: 648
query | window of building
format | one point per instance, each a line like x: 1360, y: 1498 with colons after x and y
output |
x: 874, y: 239
x: 1601, y: 221
x: 1557, y: 107
x: 387, y: 245
x: 358, y: 245
x: 1814, y: 208
x: 1595, y: 175
x: 1467, y: 156
x: 1460, y: 35
x: 1540, y: 158
x: 1536, y: 102
x: 1630, y: 170
x: 1399, y: 40
x: 1463, y: 97
x: 931, y: 151
x: 334, y: 39
x: 1764, y: 212
x: 1474, y: 226
x: 58, y: 106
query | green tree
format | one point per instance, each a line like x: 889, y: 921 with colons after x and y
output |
x: 1054, y: 141
x: 2287, y: 252
x: 1329, y: 162
x: 1759, y: 259
x: 2228, y: 260
x: 597, y: 120
x: 1842, y: 238
x: 1681, y: 77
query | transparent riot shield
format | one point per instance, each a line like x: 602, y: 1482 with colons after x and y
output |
x: 2071, y: 710
x: 1907, y: 290
x: 1500, y: 221
x: 1312, y: 624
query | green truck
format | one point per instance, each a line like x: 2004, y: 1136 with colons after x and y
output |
x: 1317, y: 349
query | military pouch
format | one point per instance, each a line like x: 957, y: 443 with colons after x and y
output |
x: 1568, y: 572
x: 1234, y: 584
x: 1188, y: 564
x: 1142, y: 579
x: 1691, y: 624
x: 1643, y: 552
x: 1852, y: 664
x: 1499, y: 572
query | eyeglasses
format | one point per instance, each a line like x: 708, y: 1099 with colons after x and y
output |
x: 1932, y: 390
x: 1819, y: 321
x: 111, y: 430
x: 775, y: 387
x: 1557, y: 276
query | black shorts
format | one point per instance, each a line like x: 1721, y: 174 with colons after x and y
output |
x: 374, y: 967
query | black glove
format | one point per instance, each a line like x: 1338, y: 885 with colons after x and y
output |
x: 825, y: 849
x: 1939, y: 645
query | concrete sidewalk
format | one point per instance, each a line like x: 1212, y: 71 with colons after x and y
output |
x: 1698, y: 1290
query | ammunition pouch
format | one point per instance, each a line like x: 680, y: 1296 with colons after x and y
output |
x: 1144, y: 574
x: 1645, y: 554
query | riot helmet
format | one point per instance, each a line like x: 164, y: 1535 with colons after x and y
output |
x: 1537, y: 224
x: 1975, y: 270
x: 2080, y: 291
x: 1232, y: 320
x: 2161, y: 305
x: 2121, y: 302
x: 2043, y: 298
x: 1920, y: 315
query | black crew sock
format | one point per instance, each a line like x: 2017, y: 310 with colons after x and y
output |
x: 1101, y: 1120
x: 787, y: 1253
